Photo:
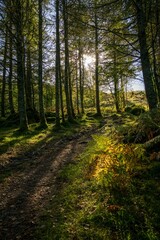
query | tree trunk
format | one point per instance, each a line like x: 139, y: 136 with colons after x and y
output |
x: 158, y: 42
x: 155, y: 64
x: 61, y: 99
x: 57, y: 73
x: 153, y: 143
x: 11, y: 105
x: 123, y: 101
x: 77, y: 86
x: 43, y: 123
x: 29, y: 95
x: 145, y: 61
x: 4, y: 76
x: 116, y: 83
x: 67, y: 90
x: 70, y: 93
x: 20, y: 79
x: 80, y: 78
x: 97, y: 66
x: 20, y: 67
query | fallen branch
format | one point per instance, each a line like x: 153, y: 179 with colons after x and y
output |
x: 153, y: 143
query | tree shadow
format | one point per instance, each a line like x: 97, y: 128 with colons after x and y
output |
x: 30, y: 187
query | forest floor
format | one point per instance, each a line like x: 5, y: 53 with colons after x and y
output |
x: 30, y: 183
x: 85, y: 185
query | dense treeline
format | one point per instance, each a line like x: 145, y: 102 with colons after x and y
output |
x: 62, y: 55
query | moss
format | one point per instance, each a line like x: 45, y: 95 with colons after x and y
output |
x: 135, y: 110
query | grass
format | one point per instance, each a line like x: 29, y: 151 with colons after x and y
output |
x: 111, y: 192
x: 15, y: 144
x: 13, y: 140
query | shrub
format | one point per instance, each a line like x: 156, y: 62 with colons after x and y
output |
x: 146, y: 127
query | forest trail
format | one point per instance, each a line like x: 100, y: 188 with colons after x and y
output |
x: 29, y: 189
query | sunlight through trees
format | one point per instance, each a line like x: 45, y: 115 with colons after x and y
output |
x: 78, y: 49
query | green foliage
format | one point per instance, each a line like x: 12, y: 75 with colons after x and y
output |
x: 13, y: 140
x: 110, y: 192
x: 135, y: 110
x: 146, y: 127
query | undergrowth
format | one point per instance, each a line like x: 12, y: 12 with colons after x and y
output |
x: 111, y: 192
x: 11, y: 139
x: 145, y: 127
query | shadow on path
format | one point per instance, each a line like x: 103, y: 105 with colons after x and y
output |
x: 30, y: 187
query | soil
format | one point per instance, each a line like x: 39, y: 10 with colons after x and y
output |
x: 29, y: 186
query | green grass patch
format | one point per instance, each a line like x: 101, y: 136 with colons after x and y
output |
x: 13, y: 140
x: 15, y: 144
x: 111, y: 192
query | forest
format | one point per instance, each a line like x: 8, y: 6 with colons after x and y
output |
x: 79, y: 144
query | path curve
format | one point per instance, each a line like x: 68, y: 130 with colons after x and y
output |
x: 30, y: 188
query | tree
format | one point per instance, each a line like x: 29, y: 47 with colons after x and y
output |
x: 81, y: 79
x: 67, y: 64
x: 19, y: 38
x: 43, y: 123
x: 10, y: 77
x: 97, y: 63
x: 4, y: 76
x: 30, y: 35
x: 145, y: 60
x: 57, y: 70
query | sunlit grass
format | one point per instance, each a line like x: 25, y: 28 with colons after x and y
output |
x: 11, y: 138
x: 110, y: 192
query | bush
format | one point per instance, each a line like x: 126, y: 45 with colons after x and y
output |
x: 146, y: 127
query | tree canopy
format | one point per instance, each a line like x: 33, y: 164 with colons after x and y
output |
x: 45, y: 45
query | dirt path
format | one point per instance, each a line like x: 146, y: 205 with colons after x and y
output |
x: 29, y: 189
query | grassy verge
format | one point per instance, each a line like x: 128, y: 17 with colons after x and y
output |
x: 111, y: 192
x: 11, y: 138
x: 15, y: 145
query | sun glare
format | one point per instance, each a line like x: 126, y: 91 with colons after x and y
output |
x: 88, y: 60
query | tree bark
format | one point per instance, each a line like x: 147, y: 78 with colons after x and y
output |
x: 61, y: 99
x: 20, y: 66
x: 4, y: 76
x: 115, y: 77
x: 57, y: 72
x: 11, y: 105
x: 81, y: 79
x: 153, y: 143
x: 97, y: 66
x: 144, y: 54
x: 67, y: 68
x: 29, y: 95
x: 43, y: 123
x: 77, y: 86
